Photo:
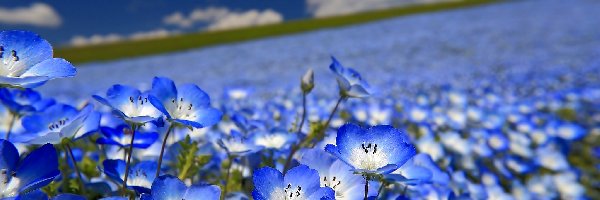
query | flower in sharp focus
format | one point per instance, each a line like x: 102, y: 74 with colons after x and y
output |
x: 349, y: 81
x: 58, y: 122
x: 26, y: 61
x: 130, y: 104
x: 300, y: 182
x: 140, y: 177
x: 379, y: 149
x: 35, y: 171
x: 168, y: 187
x: 337, y: 175
x: 187, y: 104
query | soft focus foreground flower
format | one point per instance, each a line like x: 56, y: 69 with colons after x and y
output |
x: 35, y: 171
x: 26, y: 61
x: 58, y: 122
x: 299, y: 182
x: 168, y: 187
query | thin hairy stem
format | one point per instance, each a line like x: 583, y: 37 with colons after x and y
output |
x: 162, y: 149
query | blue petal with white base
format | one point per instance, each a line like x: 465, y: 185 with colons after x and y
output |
x: 140, y: 177
x: 130, y: 104
x: 187, y: 105
x: 168, y: 187
x: 378, y: 149
x: 26, y: 60
x: 36, y: 170
x: 300, y: 182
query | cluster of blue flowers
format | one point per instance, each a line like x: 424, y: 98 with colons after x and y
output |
x: 487, y: 141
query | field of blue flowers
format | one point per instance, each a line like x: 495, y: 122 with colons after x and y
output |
x: 506, y: 106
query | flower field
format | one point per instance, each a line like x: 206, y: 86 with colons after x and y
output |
x: 494, y: 102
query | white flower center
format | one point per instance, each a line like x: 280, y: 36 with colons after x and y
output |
x: 368, y: 156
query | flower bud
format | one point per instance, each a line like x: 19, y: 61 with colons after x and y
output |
x: 308, y: 81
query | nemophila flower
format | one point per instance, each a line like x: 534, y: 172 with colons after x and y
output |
x: 336, y: 175
x: 26, y: 61
x: 35, y: 171
x: 121, y: 137
x: 168, y: 187
x: 569, y: 131
x: 349, y: 81
x: 299, y: 182
x: 275, y: 139
x: 550, y: 158
x: 58, y: 122
x: 66, y: 196
x: 498, y: 141
x: 417, y: 114
x: 421, y: 169
x: 23, y: 101
x: 378, y: 149
x: 141, y: 175
x: 238, y: 145
x: 186, y: 105
x: 130, y: 104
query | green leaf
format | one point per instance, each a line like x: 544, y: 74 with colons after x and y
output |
x: 188, y: 163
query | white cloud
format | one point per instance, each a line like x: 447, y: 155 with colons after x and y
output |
x: 222, y: 18
x: 323, y: 8
x: 38, y: 14
x: 110, y: 38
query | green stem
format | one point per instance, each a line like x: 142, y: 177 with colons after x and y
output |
x: 70, y: 152
x: 162, y: 150
x: 13, y: 118
x: 303, y: 113
x: 296, y: 147
x: 332, y: 113
x: 133, y: 129
x: 380, y: 190
x: 227, y: 177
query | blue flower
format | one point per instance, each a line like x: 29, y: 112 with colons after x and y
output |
x: 187, y: 105
x: 129, y: 104
x: 168, y: 187
x: 337, y: 175
x: 58, y: 122
x: 66, y: 196
x: 26, y: 61
x: 349, y: 81
x: 26, y: 101
x: 275, y: 139
x: 378, y: 149
x: 122, y: 137
x: 299, y: 182
x: 35, y: 171
x: 421, y: 169
x: 238, y: 145
x: 140, y: 177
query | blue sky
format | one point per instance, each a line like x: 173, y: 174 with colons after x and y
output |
x: 68, y: 22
